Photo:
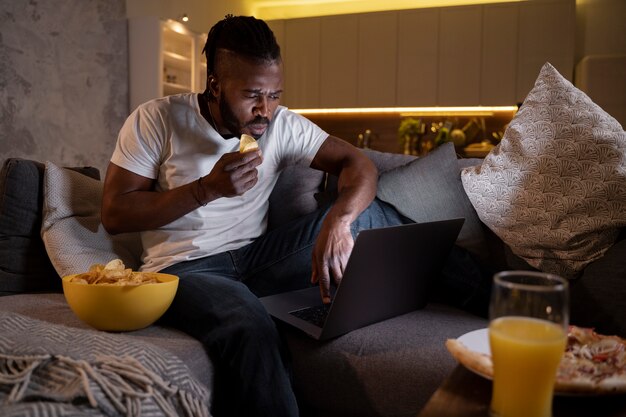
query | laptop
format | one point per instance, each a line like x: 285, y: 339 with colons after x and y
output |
x: 388, y: 274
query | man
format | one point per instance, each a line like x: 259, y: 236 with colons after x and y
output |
x: 176, y: 176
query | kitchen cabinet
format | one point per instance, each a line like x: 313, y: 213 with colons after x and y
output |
x: 473, y: 55
x: 418, y: 57
x: 458, y: 81
x: 546, y: 33
x: 498, y: 78
x: 164, y: 59
x: 200, y: 63
x: 301, y: 55
x: 339, y: 61
x: 378, y: 40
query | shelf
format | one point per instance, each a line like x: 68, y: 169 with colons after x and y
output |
x: 172, y: 60
x: 163, y: 59
x: 174, y: 57
x: 171, y: 88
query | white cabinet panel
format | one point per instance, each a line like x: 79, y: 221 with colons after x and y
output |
x: 460, y: 38
x: 498, y: 79
x: 418, y: 57
x: 301, y: 54
x: 377, y: 59
x: 547, y: 32
x: 164, y: 59
x: 339, y: 61
x: 201, y: 66
x: 145, y: 62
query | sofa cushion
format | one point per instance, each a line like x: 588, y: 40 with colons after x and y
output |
x: 598, y: 297
x: 53, y: 309
x: 40, y: 324
x: 294, y: 194
x: 72, y: 232
x: 554, y: 189
x: 24, y: 263
x: 429, y: 189
x: 386, y: 161
x: 389, y: 368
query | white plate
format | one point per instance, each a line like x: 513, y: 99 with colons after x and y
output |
x: 477, y: 340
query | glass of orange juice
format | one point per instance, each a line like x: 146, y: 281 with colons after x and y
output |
x: 529, y: 315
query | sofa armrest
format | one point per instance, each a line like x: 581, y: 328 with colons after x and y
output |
x: 24, y: 263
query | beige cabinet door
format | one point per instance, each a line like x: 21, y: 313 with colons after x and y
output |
x: 447, y: 56
x: 301, y: 55
x: 418, y: 57
x: 378, y: 44
x: 339, y: 63
x: 546, y: 34
x: 498, y: 80
x: 460, y: 38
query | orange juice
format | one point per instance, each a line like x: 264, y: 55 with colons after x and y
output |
x: 526, y: 353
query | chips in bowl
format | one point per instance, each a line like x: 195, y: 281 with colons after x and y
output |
x: 115, y: 298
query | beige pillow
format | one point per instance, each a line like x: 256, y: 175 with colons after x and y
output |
x: 554, y: 189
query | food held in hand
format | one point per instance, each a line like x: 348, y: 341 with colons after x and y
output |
x: 247, y: 143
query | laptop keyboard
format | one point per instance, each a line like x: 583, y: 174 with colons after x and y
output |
x: 315, y: 315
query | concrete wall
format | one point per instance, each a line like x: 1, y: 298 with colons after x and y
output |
x: 63, y: 79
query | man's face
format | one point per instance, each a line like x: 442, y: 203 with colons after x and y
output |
x: 248, y: 93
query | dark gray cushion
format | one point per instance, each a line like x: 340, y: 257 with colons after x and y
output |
x: 598, y: 296
x: 429, y: 189
x: 24, y: 263
x: 390, y: 368
x: 294, y: 194
x: 384, y: 161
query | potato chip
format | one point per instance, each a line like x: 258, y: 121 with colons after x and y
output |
x: 247, y: 144
x: 114, y: 273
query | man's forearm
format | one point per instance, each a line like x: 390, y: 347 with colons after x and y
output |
x: 356, y: 189
x: 146, y: 210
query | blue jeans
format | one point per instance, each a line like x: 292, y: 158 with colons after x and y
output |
x: 217, y: 303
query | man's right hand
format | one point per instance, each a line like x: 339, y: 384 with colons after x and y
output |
x: 233, y: 175
x: 130, y: 204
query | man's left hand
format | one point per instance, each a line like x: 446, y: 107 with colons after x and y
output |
x: 330, y: 256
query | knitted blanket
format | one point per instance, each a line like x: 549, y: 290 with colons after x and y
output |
x: 50, y: 370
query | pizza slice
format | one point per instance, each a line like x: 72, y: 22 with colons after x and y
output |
x: 592, y: 363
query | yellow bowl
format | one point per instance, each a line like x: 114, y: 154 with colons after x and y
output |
x: 120, y: 307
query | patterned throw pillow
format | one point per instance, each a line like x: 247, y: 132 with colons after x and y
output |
x: 554, y: 189
x: 71, y: 229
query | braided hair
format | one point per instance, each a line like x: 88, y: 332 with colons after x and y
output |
x: 243, y: 35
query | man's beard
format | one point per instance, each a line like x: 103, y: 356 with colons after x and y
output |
x: 230, y: 120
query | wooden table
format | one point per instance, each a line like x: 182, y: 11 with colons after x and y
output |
x: 465, y: 394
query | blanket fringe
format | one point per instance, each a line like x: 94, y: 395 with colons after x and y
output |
x: 17, y: 371
x: 124, y: 381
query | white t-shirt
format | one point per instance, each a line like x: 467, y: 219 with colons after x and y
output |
x: 167, y: 139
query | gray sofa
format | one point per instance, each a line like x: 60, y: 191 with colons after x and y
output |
x: 386, y: 369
